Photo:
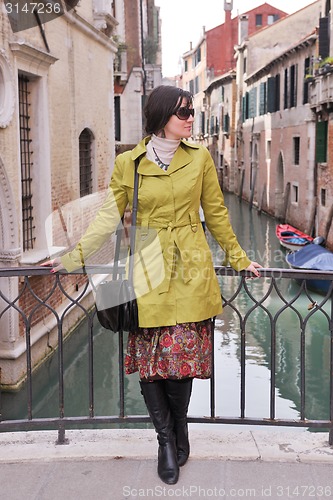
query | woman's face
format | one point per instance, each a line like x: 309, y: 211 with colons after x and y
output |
x: 177, y: 128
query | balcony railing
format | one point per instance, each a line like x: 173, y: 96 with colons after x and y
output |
x: 244, y: 302
x: 321, y: 90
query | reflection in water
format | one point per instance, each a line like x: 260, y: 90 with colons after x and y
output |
x: 256, y: 234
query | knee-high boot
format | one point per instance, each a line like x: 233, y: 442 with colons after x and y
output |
x: 158, y: 407
x: 179, y: 394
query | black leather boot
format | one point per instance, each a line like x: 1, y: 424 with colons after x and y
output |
x: 158, y: 407
x: 179, y: 394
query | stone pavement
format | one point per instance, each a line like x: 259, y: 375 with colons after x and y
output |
x: 121, y: 464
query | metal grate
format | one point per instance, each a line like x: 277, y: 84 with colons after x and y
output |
x: 28, y: 228
x: 85, y: 142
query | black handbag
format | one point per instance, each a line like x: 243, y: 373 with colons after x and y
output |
x: 115, y: 302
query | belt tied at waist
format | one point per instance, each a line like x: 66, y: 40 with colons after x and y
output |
x: 192, y: 220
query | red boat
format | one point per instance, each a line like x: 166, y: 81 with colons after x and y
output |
x: 292, y: 238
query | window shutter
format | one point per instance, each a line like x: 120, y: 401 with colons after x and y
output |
x: 226, y: 124
x: 246, y: 106
x: 271, y: 94
x: 117, y: 118
x: 307, y: 69
x: 285, y: 97
x: 324, y: 42
x: 262, y: 98
x: 293, y: 78
x: 321, y: 142
x: 277, y: 92
x: 202, y: 122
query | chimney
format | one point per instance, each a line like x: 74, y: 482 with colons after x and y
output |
x: 243, y: 28
x: 229, y: 46
x: 228, y: 5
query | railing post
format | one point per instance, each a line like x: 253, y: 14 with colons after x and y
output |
x: 330, y: 436
x: 61, y: 434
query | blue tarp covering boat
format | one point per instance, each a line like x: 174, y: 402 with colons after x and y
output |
x: 313, y: 257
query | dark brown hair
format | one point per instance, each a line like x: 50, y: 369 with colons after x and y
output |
x: 161, y: 104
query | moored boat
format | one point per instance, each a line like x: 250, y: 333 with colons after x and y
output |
x: 313, y: 257
x: 292, y: 238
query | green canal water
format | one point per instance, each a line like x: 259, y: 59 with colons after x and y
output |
x: 256, y: 234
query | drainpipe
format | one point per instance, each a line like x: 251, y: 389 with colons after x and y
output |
x: 144, y: 78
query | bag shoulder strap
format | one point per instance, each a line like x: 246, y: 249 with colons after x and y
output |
x: 134, y: 219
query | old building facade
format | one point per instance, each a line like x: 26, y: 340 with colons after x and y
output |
x: 209, y: 73
x: 59, y: 134
x: 276, y: 131
x: 320, y: 77
x: 56, y: 150
x: 138, y: 66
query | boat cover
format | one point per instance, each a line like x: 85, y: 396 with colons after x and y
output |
x: 311, y: 256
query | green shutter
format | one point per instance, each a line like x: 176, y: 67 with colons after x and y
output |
x: 321, y: 142
x: 324, y: 41
x: 262, y: 98
x: 271, y: 94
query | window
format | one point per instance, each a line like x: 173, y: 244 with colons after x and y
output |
x: 296, y: 149
x: 244, y: 65
x: 321, y: 142
x: 198, y: 56
x: 271, y: 18
x: 258, y: 20
x: 323, y: 197
x: 307, y: 72
x: 271, y: 94
x: 85, y: 155
x: 26, y: 153
x: 185, y: 65
x: 191, y: 87
x: 294, y: 193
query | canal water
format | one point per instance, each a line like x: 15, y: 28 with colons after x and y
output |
x: 256, y: 234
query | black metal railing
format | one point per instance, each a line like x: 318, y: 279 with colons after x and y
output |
x: 242, y: 299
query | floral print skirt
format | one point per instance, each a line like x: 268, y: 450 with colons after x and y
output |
x: 180, y: 351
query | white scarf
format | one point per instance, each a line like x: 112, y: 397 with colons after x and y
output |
x: 161, y: 151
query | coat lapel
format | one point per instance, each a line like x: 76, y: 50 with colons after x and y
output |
x: 181, y: 159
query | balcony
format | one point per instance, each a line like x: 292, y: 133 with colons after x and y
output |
x: 321, y: 89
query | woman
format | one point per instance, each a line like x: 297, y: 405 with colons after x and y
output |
x: 174, y: 342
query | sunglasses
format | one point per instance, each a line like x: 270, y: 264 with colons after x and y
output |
x: 184, y: 113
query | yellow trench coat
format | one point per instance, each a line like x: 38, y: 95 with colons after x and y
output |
x: 174, y: 275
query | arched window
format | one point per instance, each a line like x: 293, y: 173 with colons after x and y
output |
x: 85, y: 154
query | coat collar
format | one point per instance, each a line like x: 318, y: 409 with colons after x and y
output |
x: 180, y: 159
